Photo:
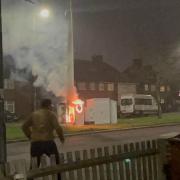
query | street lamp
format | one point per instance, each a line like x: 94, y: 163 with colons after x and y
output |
x: 44, y: 13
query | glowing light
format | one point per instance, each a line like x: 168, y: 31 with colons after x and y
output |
x: 79, y: 108
x: 78, y: 101
x: 71, y: 115
x: 78, y: 105
x: 44, y: 13
x: 127, y: 160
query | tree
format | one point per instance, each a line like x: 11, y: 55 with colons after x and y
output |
x: 166, y: 71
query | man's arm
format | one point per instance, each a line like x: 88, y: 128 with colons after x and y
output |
x: 26, y: 127
x: 58, y: 128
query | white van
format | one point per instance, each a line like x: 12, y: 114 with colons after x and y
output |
x: 138, y: 104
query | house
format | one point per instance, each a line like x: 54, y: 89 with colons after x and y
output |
x: 18, y: 97
x: 18, y: 94
x: 96, y: 79
x: 146, y: 83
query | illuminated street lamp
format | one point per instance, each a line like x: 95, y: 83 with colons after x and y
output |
x: 44, y: 13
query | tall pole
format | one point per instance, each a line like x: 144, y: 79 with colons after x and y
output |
x: 3, y: 153
x: 70, y: 57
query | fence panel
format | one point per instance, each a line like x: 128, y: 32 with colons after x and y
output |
x: 115, y: 164
x: 101, y: 167
x: 62, y: 160
x: 44, y: 164
x: 155, y: 161
x: 149, y: 159
x: 127, y: 163
x: 134, y: 161
x: 53, y: 163
x: 70, y: 160
x: 79, y: 171
x: 139, y: 163
x: 108, y: 165
x: 121, y: 166
x: 94, y: 168
x: 17, y: 169
x: 86, y: 170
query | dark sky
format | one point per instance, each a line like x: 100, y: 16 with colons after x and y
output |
x: 121, y: 30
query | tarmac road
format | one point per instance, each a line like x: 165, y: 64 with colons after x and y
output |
x: 20, y: 150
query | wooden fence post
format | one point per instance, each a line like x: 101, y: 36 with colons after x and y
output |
x: 162, y: 160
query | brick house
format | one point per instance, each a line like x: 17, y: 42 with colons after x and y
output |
x: 145, y: 78
x: 96, y: 78
x: 18, y: 97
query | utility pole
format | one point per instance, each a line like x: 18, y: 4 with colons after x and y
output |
x: 3, y: 153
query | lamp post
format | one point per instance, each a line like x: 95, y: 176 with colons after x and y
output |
x: 3, y: 153
x: 70, y: 71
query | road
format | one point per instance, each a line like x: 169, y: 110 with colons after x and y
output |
x: 20, y: 150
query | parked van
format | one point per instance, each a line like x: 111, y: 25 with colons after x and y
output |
x: 138, y: 104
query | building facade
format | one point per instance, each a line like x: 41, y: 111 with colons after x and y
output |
x: 96, y: 79
x: 18, y: 97
x: 146, y: 82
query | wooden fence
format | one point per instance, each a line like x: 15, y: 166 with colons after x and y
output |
x: 134, y: 161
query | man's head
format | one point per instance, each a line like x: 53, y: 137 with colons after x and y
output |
x: 46, y: 103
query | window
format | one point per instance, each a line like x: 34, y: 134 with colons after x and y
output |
x: 146, y: 87
x: 82, y: 86
x: 153, y: 88
x: 9, y: 106
x: 110, y: 86
x: 8, y: 84
x: 139, y: 101
x: 101, y: 86
x: 92, y: 86
x: 126, y: 102
x: 162, y: 88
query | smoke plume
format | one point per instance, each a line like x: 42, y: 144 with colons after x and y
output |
x: 36, y: 43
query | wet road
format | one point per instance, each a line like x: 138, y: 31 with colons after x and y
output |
x: 20, y: 150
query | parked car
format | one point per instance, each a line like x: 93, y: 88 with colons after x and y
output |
x: 10, y: 117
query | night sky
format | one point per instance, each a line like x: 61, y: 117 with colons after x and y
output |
x: 122, y: 30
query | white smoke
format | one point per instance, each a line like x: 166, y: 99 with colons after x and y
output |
x: 36, y: 43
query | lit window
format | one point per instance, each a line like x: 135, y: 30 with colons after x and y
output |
x: 146, y: 87
x: 92, y: 86
x: 153, y: 88
x: 9, y: 106
x: 101, y: 86
x: 82, y: 86
x: 8, y: 84
x: 162, y: 88
x: 110, y: 86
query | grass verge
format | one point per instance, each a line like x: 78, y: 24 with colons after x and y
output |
x: 14, y: 131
